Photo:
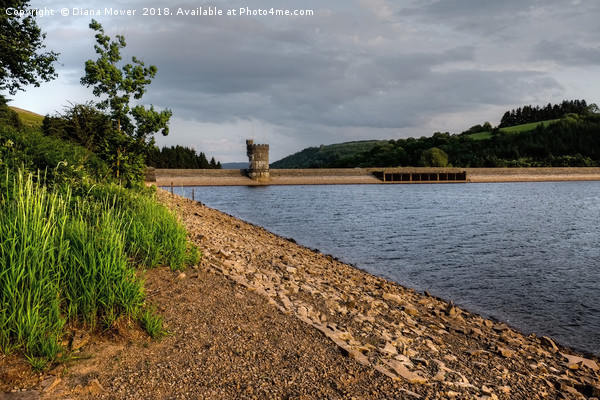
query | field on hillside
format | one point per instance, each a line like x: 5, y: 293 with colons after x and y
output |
x: 512, y: 129
x: 29, y: 118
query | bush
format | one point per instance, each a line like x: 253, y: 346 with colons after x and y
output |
x: 68, y: 259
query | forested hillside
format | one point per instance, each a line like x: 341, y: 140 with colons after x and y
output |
x: 570, y: 139
x: 324, y: 156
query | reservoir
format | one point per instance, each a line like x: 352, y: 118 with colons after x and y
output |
x: 524, y: 253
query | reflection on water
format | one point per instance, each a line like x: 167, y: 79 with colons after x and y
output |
x: 525, y: 253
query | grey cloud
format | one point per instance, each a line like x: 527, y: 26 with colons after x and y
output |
x: 358, y: 69
x: 567, y: 53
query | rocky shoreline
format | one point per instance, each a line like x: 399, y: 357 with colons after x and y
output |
x: 262, y: 317
x: 435, y: 349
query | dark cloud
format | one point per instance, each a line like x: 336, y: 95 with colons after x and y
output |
x: 357, y: 69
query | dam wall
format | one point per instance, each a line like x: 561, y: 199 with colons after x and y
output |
x: 239, y: 177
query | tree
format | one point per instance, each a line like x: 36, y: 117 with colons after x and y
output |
x: 434, y: 157
x: 22, y: 60
x: 135, y: 127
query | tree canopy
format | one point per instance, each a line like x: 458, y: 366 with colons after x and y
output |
x: 131, y: 136
x: 23, y: 60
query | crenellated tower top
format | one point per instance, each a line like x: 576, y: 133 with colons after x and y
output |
x: 258, y: 157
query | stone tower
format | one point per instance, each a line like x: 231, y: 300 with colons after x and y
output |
x: 258, y: 156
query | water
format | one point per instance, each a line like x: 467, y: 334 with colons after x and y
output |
x: 524, y: 253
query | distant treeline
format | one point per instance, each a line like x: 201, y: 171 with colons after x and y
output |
x: 572, y: 140
x: 528, y: 114
x: 321, y: 157
x: 180, y: 157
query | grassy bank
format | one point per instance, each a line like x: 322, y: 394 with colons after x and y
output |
x: 72, y: 245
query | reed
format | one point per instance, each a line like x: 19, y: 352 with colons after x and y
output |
x: 68, y: 259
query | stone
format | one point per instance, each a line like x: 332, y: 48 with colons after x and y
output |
x: 421, y: 361
x: 80, y: 339
x: 291, y: 270
x: 504, y: 352
x: 390, y: 349
x: 452, y: 311
x: 94, y: 387
x: 302, y: 311
x: 403, y: 372
x: 411, y: 311
x: 575, y: 360
x: 181, y: 276
x: 475, y: 353
x: 547, y: 342
x: 431, y: 346
x: 49, y: 383
x: 394, y: 297
x: 504, y: 389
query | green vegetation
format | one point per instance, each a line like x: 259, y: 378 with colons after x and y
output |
x: 71, y: 241
x: 180, y: 157
x: 29, y: 118
x: 527, y: 127
x: 320, y: 157
x: 573, y: 140
x: 152, y: 323
x: 72, y: 237
x: 512, y: 129
x: 22, y: 60
x: 529, y: 114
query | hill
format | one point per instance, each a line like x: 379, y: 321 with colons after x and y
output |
x: 317, y: 157
x: 235, y: 165
x: 573, y: 140
x: 28, y: 118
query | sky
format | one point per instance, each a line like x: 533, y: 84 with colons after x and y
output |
x: 345, y: 70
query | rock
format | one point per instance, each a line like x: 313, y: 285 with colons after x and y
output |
x: 404, y: 373
x: 94, y: 387
x: 574, y: 360
x: 475, y: 353
x: 477, y: 332
x: 504, y: 352
x: 390, y: 349
x: 431, y: 346
x: 394, y: 297
x: 80, y: 339
x: 504, y: 389
x: 450, y: 358
x: 49, y: 383
x: 411, y: 311
x: 181, y: 276
x: 291, y: 270
x: 302, y: 311
x: 223, y: 254
x: 546, y: 341
x: 452, y: 311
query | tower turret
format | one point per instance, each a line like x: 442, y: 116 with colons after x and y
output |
x: 258, y: 157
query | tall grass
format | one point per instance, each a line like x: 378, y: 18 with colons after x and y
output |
x: 32, y: 223
x: 68, y: 259
x: 153, y: 234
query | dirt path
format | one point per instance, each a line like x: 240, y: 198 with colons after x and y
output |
x: 264, y: 318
